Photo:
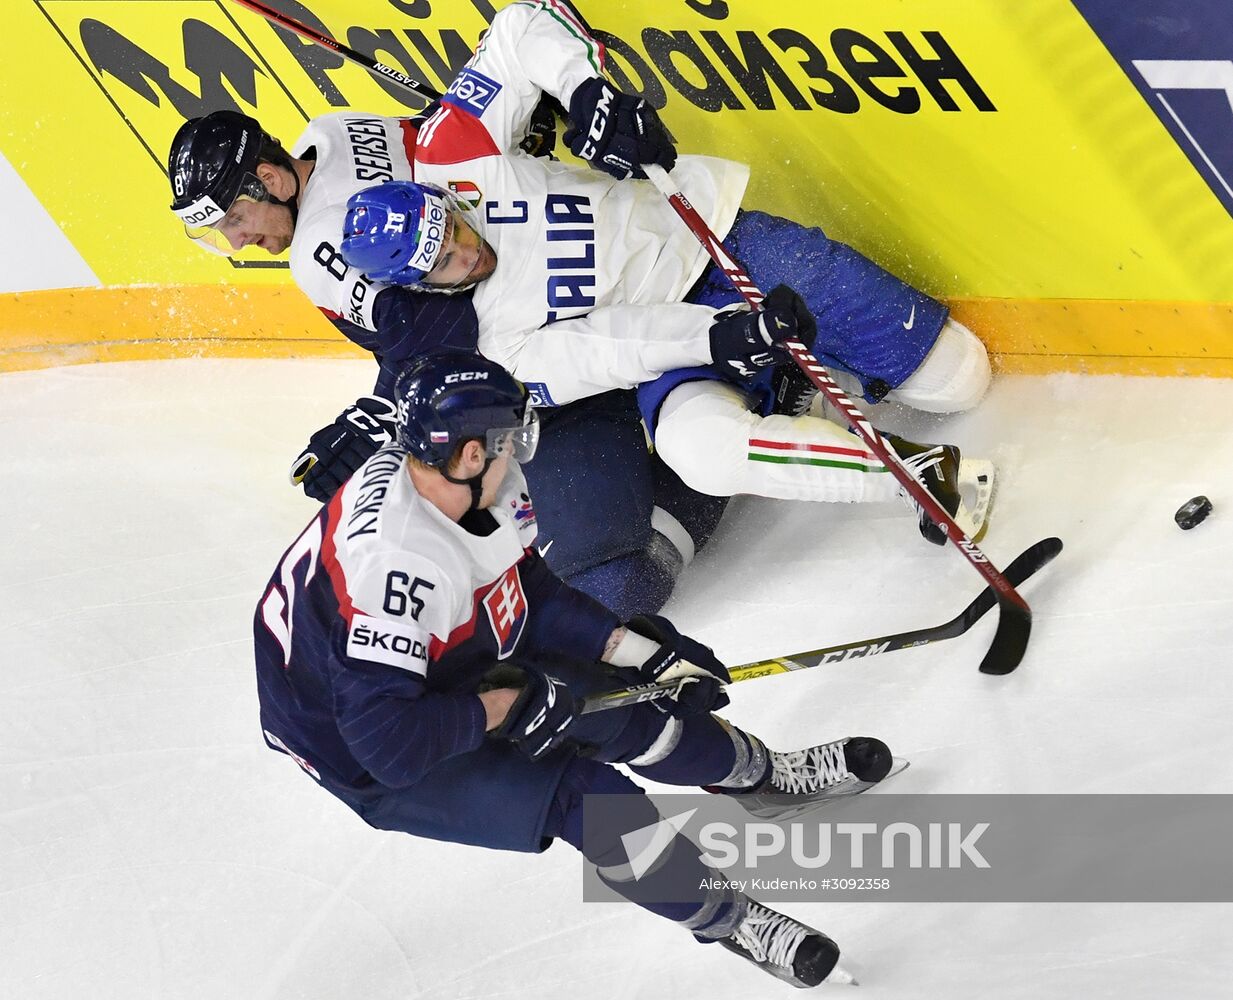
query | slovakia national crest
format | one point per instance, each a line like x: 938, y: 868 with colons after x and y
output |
x: 524, y: 512
x: 507, y: 611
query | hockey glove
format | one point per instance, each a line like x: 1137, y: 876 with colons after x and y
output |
x: 339, y: 448
x: 680, y: 656
x: 743, y: 343
x: 537, y: 722
x: 541, y: 137
x: 615, y: 132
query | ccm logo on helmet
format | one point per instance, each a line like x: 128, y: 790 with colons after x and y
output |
x: 466, y: 377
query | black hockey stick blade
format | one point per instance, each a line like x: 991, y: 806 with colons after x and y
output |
x: 1015, y: 620
x: 1023, y: 566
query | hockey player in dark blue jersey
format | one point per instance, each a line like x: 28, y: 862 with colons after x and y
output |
x: 384, y: 617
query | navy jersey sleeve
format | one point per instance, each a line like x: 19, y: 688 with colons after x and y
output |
x: 409, y: 324
x: 563, y: 620
x: 399, y: 730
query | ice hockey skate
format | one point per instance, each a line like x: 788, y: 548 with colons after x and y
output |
x: 786, y: 948
x: 792, y: 391
x: 801, y: 780
x: 963, y: 487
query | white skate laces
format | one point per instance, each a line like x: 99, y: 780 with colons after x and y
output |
x: 805, y: 771
x: 962, y: 487
x: 769, y: 936
x: 918, y: 465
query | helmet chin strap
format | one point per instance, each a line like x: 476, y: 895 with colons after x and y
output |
x: 291, y: 204
x: 474, y: 482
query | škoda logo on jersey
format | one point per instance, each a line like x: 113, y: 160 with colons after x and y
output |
x: 507, y: 611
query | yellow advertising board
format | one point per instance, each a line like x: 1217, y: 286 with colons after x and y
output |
x: 997, y: 155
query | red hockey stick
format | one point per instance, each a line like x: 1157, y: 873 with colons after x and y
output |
x: 1015, y: 617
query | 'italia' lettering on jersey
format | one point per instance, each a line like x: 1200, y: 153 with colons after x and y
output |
x: 571, y: 236
x: 507, y: 611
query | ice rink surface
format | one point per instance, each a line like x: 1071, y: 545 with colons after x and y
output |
x: 151, y: 847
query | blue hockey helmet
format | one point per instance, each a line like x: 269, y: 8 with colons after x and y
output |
x: 395, y: 231
x: 454, y: 396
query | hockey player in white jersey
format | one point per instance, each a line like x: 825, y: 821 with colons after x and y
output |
x: 377, y: 630
x: 624, y: 539
x: 584, y: 281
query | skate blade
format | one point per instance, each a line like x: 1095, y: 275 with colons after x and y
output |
x: 778, y: 807
x: 977, y: 485
x: 839, y: 976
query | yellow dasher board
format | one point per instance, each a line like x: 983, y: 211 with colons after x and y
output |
x: 996, y: 154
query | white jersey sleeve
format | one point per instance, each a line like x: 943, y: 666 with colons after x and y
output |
x: 532, y: 47
x: 401, y: 602
x: 350, y: 151
x: 618, y: 346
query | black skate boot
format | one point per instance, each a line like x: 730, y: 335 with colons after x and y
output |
x: 786, y: 948
x: 793, y: 392
x: 945, y: 474
x: 802, y: 779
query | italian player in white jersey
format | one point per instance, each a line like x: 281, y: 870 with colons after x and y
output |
x: 583, y: 280
x: 622, y: 536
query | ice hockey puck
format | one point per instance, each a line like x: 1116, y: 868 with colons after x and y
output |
x: 1192, y: 512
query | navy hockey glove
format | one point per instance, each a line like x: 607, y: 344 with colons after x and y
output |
x: 537, y: 722
x: 541, y: 137
x: 341, y: 447
x: 615, y: 132
x: 680, y: 656
x: 743, y: 343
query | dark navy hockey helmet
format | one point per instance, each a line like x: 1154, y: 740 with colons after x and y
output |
x: 394, y: 231
x: 212, y: 163
x: 454, y: 396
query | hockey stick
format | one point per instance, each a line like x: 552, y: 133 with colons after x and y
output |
x: 417, y: 87
x: 1027, y: 563
x: 1015, y: 619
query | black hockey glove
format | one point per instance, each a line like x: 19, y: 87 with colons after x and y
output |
x: 537, y: 722
x: 339, y: 448
x: 615, y: 132
x: 743, y: 343
x: 541, y: 137
x: 679, y: 655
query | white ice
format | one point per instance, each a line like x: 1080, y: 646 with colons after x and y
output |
x: 150, y: 847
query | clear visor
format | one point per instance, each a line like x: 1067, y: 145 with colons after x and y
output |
x: 519, y: 443
x: 226, y: 235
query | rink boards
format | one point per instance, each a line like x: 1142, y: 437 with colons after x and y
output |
x: 1060, y: 172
